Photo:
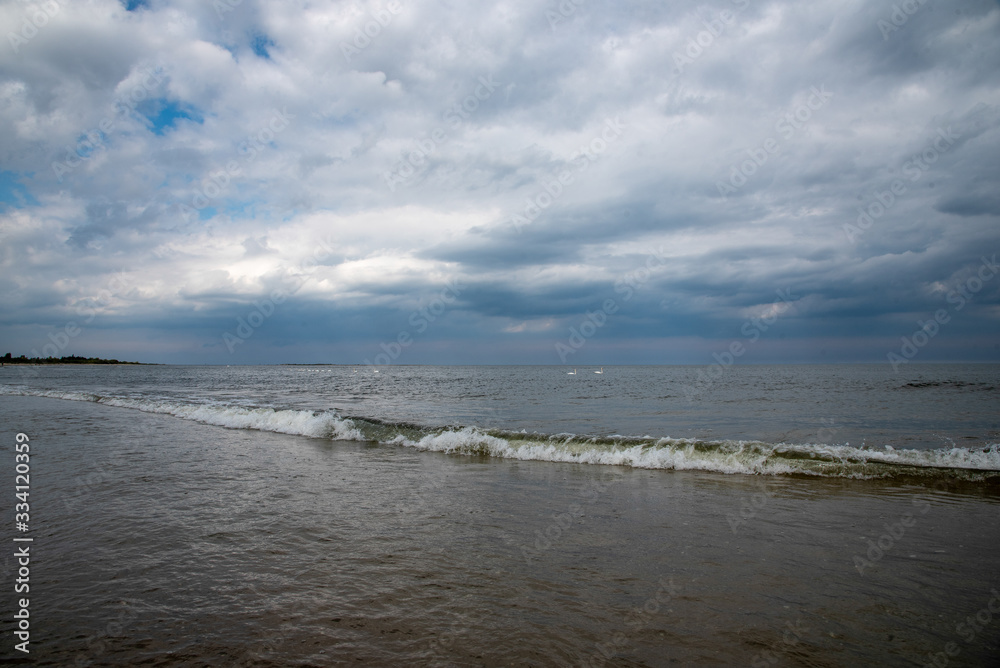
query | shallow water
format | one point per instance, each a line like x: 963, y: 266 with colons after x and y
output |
x: 163, y: 541
x: 860, y: 421
x: 922, y: 406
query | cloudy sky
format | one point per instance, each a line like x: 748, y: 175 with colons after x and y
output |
x: 426, y: 181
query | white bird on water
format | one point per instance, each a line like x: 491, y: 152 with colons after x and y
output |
x: 601, y: 371
x: 571, y: 373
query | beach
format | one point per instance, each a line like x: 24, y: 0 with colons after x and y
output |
x: 391, y: 333
x: 166, y: 541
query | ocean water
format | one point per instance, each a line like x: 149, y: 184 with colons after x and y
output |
x: 493, y: 516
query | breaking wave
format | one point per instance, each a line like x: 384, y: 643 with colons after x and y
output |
x: 721, y: 456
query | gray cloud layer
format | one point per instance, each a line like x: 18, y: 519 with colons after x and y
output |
x: 165, y: 168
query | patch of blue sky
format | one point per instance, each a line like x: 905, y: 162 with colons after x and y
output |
x: 12, y: 191
x: 244, y: 210
x: 163, y: 114
x: 260, y: 43
x: 87, y: 144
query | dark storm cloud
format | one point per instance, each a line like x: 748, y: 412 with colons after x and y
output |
x: 218, y: 151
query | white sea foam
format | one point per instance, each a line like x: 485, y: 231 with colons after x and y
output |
x: 302, y: 423
x: 746, y: 457
x: 719, y: 456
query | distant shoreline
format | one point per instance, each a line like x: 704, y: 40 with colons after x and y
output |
x: 72, y: 359
x: 36, y: 361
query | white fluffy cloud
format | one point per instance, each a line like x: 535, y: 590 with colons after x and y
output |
x: 538, y: 154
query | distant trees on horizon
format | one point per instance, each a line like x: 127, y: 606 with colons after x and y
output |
x: 69, y: 359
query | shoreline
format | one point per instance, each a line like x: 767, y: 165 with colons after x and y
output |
x: 920, y: 468
x: 481, y: 561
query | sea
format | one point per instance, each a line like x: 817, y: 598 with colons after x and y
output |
x: 329, y: 515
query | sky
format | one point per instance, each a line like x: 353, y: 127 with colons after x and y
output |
x: 515, y: 182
